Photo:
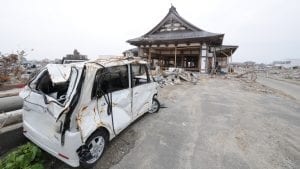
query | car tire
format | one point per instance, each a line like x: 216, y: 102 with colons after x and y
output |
x: 155, y: 106
x: 96, y: 144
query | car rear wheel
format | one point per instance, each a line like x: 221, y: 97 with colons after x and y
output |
x: 155, y: 106
x: 96, y: 145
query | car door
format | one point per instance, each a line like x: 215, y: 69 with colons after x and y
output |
x: 141, y: 95
x: 114, y: 84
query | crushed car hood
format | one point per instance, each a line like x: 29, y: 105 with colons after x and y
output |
x: 59, y: 73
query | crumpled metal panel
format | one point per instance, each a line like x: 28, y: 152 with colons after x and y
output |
x: 85, y: 104
x: 53, y: 107
x: 59, y: 73
x: 94, y: 115
x: 87, y: 115
x: 116, y: 61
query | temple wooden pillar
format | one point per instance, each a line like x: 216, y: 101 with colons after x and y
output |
x: 149, y: 56
x: 175, y: 64
x: 159, y: 59
x: 199, y: 58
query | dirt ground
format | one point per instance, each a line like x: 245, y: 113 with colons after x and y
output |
x: 218, y: 123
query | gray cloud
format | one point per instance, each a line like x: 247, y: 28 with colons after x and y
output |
x: 265, y: 30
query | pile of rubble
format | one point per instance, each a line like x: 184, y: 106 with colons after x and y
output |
x: 249, y: 76
x: 292, y: 74
x: 256, y: 87
x: 174, y: 76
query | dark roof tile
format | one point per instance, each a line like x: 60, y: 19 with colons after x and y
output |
x: 170, y: 29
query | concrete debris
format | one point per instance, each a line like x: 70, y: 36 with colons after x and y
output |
x: 9, y: 93
x: 174, y: 76
x: 285, y: 74
x: 10, y: 118
x: 249, y: 76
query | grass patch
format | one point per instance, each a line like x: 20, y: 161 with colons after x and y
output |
x: 27, y: 156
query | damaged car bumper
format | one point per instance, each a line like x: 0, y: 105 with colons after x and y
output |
x: 52, y: 145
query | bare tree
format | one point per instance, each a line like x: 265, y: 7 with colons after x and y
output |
x: 9, y: 64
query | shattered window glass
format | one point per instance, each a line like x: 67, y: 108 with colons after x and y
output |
x: 58, y: 91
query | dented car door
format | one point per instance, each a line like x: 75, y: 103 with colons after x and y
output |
x: 141, y: 89
x: 114, y: 93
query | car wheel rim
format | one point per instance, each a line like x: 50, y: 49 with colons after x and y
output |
x: 154, y: 107
x: 96, y: 147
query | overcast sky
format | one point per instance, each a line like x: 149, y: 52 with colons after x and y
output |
x: 265, y: 30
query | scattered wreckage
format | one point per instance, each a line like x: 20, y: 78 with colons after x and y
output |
x: 73, y: 110
x: 174, y: 76
x: 249, y: 76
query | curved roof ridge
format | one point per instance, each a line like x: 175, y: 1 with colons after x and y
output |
x: 173, y: 14
x: 175, y: 28
x: 174, y: 11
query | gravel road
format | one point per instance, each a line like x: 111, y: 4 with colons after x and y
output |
x: 216, y: 124
x: 286, y: 87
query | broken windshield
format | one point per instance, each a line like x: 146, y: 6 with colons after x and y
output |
x: 61, y: 89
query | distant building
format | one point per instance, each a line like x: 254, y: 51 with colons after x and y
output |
x: 1, y: 61
x: 75, y: 57
x: 288, y: 63
x: 174, y: 42
x: 131, y: 52
x: 249, y: 63
x: 57, y: 61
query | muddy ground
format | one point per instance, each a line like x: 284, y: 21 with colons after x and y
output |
x: 218, y: 123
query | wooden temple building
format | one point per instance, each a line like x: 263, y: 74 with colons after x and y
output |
x: 174, y: 42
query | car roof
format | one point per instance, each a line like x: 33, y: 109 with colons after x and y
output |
x: 110, y: 62
x: 117, y: 61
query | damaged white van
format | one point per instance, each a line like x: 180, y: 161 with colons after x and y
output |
x: 72, y: 111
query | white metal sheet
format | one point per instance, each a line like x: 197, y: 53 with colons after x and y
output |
x: 59, y: 73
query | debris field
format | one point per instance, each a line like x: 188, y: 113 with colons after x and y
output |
x: 214, y: 123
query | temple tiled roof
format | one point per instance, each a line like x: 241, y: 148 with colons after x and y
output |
x: 228, y: 50
x: 226, y: 47
x: 174, y: 28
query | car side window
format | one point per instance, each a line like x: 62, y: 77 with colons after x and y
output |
x: 111, y: 79
x: 139, y: 74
